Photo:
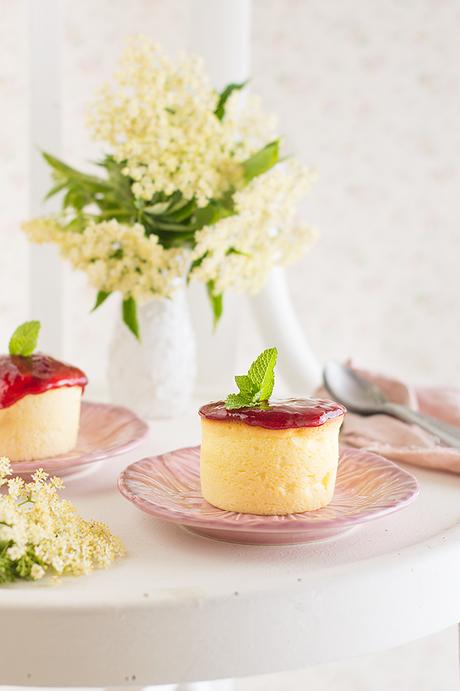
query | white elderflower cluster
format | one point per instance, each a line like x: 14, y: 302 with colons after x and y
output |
x: 240, y: 250
x: 41, y: 533
x: 158, y: 118
x: 115, y: 257
x: 194, y: 183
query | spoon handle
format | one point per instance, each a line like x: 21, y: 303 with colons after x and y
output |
x: 448, y: 434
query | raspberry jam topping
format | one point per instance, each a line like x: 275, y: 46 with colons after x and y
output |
x: 277, y: 414
x: 21, y: 376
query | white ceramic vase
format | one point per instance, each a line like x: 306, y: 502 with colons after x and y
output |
x: 155, y: 377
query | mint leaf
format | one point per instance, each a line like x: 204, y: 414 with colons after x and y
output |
x: 261, y: 161
x: 245, y: 384
x: 237, y: 400
x: 129, y: 312
x: 100, y: 298
x: 261, y: 373
x: 24, y: 340
x: 256, y: 386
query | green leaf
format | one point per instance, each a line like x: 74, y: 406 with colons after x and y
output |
x: 245, y: 384
x: 256, y: 386
x: 24, y: 340
x: 7, y: 574
x: 261, y: 161
x: 77, y: 224
x: 237, y: 400
x: 210, y: 214
x: 63, y: 170
x: 216, y: 301
x: 195, y: 264
x: 101, y: 297
x: 23, y: 566
x: 169, y: 227
x: 225, y: 95
x: 262, y: 373
x: 112, y: 195
x: 157, y: 209
x: 55, y: 190
x: 129, y: 312
x: 233, y: 250
x: 182, y: 213
x: 76, y: 199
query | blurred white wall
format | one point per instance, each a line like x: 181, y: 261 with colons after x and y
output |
x: 367, y: 93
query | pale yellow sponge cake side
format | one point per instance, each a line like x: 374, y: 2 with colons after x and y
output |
x: 40, y: 400
x: 41, y: 425
x: 259, y: 469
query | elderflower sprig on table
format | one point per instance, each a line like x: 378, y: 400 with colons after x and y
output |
x: 41, y: 533
x: 192, y: 186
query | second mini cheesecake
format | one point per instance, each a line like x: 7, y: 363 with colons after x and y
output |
x: 40, y: 401
x: 276, y: 458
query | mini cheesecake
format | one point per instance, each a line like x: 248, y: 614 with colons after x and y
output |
x: 277, y: 458
x: 40, y: 401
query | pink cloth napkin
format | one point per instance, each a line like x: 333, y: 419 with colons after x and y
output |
x: 398, y: 440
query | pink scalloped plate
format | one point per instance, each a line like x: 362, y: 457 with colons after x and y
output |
x: 105, y: 431
x: 168, y: 487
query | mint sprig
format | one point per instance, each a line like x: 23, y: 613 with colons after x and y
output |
x: 257, y: 385
x: 24, y: 339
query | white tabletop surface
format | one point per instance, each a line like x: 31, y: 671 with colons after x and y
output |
x: 183, y: 608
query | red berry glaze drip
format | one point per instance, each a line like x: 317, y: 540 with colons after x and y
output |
x: 21, y: 376
x: 277, y: 414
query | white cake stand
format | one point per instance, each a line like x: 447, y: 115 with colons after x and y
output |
x: 181, y: 609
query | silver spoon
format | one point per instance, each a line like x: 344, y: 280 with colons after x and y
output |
x: 365, y: 398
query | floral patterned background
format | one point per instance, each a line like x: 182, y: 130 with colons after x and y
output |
x: 367, y: 93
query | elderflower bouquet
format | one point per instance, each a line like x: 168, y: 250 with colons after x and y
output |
x: 192, y: 185
x: 41, y: 533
